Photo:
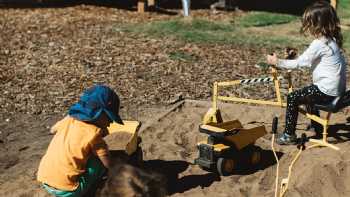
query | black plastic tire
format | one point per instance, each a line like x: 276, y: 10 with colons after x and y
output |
x: 225, y: 166
x: 255, y: 157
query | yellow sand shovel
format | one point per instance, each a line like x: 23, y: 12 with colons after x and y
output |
x: 130, y: 128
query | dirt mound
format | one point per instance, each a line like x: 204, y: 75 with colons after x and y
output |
x: 322, y: 172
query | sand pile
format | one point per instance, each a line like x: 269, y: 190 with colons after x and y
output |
x: 322, y: 172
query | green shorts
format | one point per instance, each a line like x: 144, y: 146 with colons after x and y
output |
x: 95, y: 172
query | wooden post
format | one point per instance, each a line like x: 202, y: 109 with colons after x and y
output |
x: 334, y: 3
x: 151, y: 2
x: 141, y: 6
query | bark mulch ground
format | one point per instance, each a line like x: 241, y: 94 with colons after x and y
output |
x: 49, y: 55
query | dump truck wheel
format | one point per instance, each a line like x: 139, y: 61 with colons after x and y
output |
x: 255, y: 157
x: 225, y: 166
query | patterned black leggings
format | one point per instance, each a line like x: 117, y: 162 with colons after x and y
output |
x: 308, y: 95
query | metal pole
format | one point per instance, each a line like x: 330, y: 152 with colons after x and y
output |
x: 186, y: 4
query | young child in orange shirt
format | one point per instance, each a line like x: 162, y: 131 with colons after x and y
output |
x: 77, y: 158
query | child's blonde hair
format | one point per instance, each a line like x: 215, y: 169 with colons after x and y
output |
x: 320, y: 19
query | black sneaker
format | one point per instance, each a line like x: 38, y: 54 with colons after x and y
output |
x: 286, y: 139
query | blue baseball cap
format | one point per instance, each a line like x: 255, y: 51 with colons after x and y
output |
x: 94, y: 101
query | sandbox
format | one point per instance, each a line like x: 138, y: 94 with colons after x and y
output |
x: 169, y: 139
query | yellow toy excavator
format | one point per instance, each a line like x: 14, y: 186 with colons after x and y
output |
x: 229, y: 146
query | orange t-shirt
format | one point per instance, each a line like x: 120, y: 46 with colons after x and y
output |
x: 74, y: 142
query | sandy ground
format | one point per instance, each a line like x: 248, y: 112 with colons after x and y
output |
x: 169, y: 146
x: 319, y: 172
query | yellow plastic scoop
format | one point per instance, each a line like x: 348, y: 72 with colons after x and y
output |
x: 124, y: 136
x: 129, y: 126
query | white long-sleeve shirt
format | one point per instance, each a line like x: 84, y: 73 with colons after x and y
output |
x: 327, y: 63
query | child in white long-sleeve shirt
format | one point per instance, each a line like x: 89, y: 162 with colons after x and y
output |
x: 325, y: 58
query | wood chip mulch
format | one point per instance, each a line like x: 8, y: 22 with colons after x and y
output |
x: 49, y: 55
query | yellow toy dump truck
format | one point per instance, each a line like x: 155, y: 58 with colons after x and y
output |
x: 228, y: 147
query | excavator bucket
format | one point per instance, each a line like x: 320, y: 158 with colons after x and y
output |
x: 233, y: 132
x: 124, y: 136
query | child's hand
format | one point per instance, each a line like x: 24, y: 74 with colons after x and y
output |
x: 290, y: 53
x: 53, y: 130
x: 272, y: 59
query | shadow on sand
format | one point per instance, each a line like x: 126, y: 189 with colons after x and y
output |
x: 341, y: 132
x: 267, y: 160
x: 172, y: 169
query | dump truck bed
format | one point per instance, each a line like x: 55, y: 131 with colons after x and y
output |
x: 233, y: 132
